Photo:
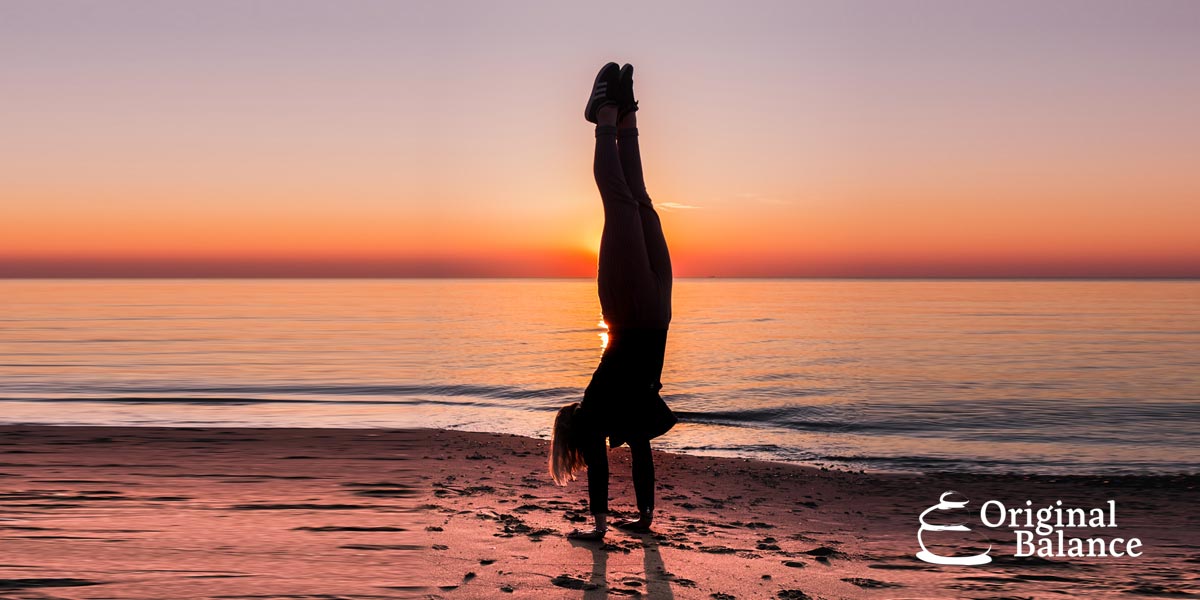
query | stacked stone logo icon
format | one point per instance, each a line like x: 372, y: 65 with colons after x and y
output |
x: 946, y: 504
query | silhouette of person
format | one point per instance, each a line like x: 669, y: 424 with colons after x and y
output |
x: 622, y: 402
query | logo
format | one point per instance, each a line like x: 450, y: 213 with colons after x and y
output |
x: 938, y: 559
x: 1040, y: 532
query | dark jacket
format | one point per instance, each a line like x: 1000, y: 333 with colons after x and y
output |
x: 622, y: 401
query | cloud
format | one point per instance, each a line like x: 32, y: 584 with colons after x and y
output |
x: 675, y: 206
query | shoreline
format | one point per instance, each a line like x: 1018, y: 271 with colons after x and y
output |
x: 853, y: 464
x: 151, y: 512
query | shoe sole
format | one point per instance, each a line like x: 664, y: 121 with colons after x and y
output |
x: 589, y: 111
x: 627, y: 69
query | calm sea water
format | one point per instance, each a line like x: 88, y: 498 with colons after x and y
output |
x: 1028, y: 376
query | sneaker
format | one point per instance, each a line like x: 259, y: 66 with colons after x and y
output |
x: 625, y: 100
x: 604, y: 90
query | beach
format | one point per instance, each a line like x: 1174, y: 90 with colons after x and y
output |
x: 147, y: 512
x: 297, y: 300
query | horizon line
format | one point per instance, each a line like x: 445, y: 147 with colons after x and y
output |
x: 592, y: 278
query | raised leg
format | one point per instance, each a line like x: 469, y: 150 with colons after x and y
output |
x: 628, y: 285
x: 631, y: 165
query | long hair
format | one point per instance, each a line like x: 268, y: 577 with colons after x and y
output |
x: 566, y: 459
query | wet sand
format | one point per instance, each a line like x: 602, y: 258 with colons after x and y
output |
x: 118, y: 512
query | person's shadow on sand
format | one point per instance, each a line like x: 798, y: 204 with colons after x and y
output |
x: 599, y: 577
x: 658, y: 580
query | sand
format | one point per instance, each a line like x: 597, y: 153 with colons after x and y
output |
x: 107, y: 512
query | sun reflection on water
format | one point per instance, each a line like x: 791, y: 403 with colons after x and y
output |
x: 603, y: 334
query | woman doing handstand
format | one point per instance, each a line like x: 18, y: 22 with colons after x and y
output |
x: 622, y: 402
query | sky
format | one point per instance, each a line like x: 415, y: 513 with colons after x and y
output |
x: 446, y: 139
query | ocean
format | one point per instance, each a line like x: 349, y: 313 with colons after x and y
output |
x: 889, y: 375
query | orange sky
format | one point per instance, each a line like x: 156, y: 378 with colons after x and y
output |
x: 779, y: 138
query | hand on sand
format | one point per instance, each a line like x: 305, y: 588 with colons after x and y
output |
x: 641, y: 525
x: 587, y: 535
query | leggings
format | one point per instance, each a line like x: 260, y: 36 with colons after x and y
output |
x: 634, y: 274
x: 595, y: 453
x: 634, y: 281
